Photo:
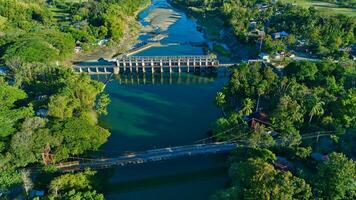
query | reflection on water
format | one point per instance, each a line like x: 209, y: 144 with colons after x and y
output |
x: 161, y: 78
x: 157, y: 110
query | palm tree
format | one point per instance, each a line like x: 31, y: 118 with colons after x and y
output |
x: 317, y: 110
x: 247, y: 107
x: 220, y: 101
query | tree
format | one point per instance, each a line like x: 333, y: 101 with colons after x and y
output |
x: 346, y: 109
x: 87, y: 137
x: 9, y: 177
x: 220, y: 101
x: 301, y: 70
x: 247, y: 107
x: 10, y: 94
x: 316, y: 110
x: 102, y: 103
x: 288, y: 112
x: 336, y: 178
x: 9, y: 114
x: 74, y: 186
x: 27, y: 144
x: 256, y: 179
x: 87, y: 195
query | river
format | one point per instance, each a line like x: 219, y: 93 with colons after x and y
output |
x: 148, y: 112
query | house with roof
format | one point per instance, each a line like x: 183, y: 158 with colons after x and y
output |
x: 279, y: 35
x: 257, y: 118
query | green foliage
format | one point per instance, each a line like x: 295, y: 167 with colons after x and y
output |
x: 102, y: 19
x: 78, y: 94
x: 25, y: 14
x: 27, y: 144
x: 244, y: 153
x: 44, y: 47
x: 257, y: 179
x: 273, y: 46
x: 31, y: 50
x: 306, y: 97
x: 87, y: 195
x: 302, y: 70
x: 9, y: 113
x: 336, y: 178
x: 102, y: 103
x: 9, y: 177
x: 322, y: 34
x: 10, y: 94
x: 74, y: 186
x: 87, y: 137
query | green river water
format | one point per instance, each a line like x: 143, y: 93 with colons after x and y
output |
x: 150, y: 112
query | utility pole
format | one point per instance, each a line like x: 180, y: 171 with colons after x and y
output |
x: 317, y: 137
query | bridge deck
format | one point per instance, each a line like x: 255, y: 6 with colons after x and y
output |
x: 150, y: 156
x: 152, y: 63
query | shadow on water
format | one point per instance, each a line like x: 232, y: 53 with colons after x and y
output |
x: 161, y: 110
x: 174, y: 179
x: 191, y: 176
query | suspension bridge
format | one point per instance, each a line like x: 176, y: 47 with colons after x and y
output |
x: 149, y: 156
x: 79, y: 164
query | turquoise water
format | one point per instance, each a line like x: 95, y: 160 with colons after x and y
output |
x: 148, y: 112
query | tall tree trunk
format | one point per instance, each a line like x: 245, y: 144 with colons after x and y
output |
x: 310, y: 118
x: 258, y: 103
x: 223, y: 111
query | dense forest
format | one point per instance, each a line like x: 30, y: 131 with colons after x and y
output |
x: 42, y: 101
x: 284, y: 121
x: 295, y: 127
x: 258, y: 20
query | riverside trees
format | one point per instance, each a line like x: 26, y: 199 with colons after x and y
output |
x: 32, y: 40
x: 304, y: 100
x: 253, y: 177
x: 308, y: 29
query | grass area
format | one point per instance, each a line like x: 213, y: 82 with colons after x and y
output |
x: 325, y: 7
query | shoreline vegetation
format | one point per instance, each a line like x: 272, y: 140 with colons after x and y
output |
x: 296, y: 125
x: 259, y: 25
x: 220, y: 39
x: 296, y: 133
x: 43, y: 101
x: 129, y: 39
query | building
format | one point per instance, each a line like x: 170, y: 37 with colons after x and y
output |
x: 257, y: 118
x: 279, y: 35
x: 253, y: 25
x: 264, y: 57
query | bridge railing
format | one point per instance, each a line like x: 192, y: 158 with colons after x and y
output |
x: 183, y: 57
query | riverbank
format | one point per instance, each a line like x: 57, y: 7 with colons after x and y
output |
x: 159, y: 111
x: 221, y: 39
x: 130, y: 37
